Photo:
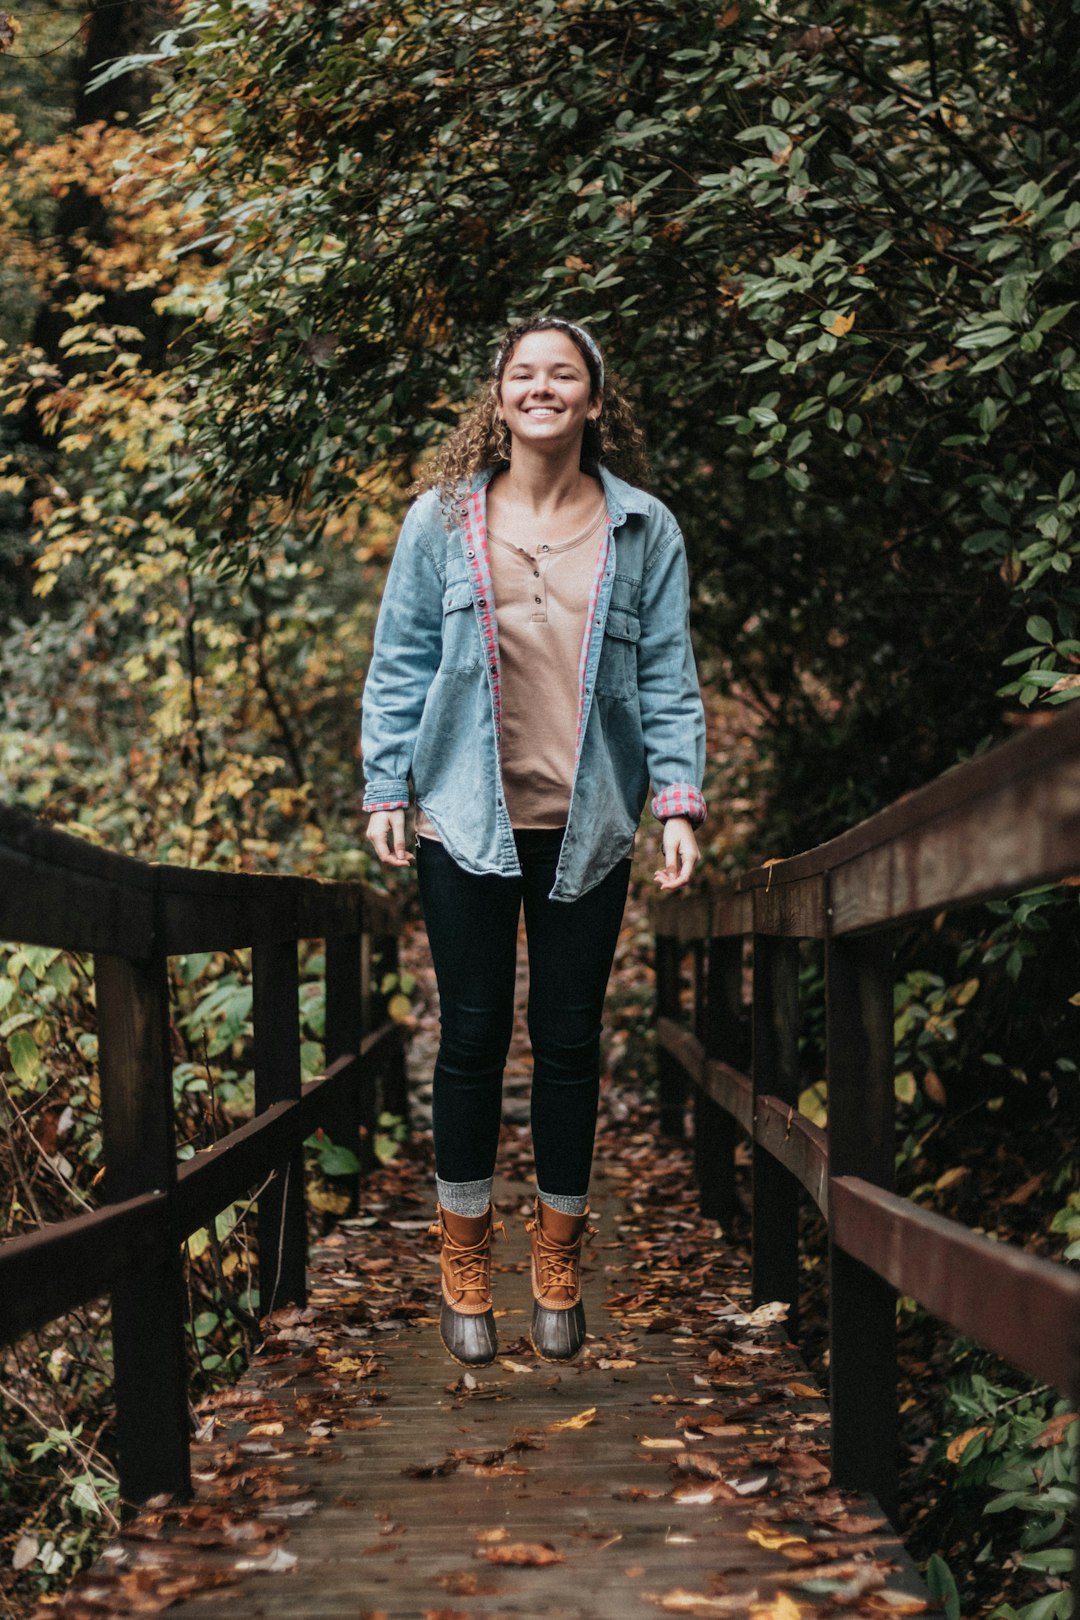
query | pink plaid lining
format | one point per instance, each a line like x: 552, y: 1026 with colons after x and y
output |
x: 586, y: 640
x: 391, y: 804
x: 681, y: 799
x: 476, y: 556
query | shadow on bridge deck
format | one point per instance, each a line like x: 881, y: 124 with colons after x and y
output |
x: 679, y: 1466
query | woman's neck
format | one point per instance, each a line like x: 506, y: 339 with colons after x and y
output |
x: 543, y: 484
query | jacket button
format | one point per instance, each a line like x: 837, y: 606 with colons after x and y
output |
x: 470, y: 554
x: 483, y: 601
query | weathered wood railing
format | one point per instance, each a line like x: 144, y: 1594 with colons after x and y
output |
x: 58, y: 891
x: 994, y: 826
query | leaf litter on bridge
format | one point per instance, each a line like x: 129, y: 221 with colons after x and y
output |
x: 729, y: 1432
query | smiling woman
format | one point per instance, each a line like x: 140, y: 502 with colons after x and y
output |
x: 532, y: 670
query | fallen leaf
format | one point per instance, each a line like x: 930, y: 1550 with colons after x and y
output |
x: 266, y: 1428
x: 661, y: 1444
x: 694, y: 1495
x: 274, y: 1563
x: 636, y: 1493
x: 433, y: 1470
x: 528, y: 1554
x: 772, y: 1539
x: 514, y: 1366
x: 858, y: 1524
x: 841, y: 325
x: 499, y: 1533
x: 782, y: 1607
x: 680, y: 1601
x: 467, y: 1583
x: 580, y: 1420
x: 802, y: 1392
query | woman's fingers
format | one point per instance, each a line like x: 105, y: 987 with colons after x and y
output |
x: 681, y: 854
x: 386, y: 833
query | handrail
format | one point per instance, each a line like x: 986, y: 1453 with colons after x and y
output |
x: 59, y: 891
x: 998, y: 824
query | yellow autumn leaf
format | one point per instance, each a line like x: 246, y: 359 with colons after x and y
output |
x: 960, y: 1442
x: 841, y: 325
x: 782, y: 1607
x: 580, y: 1420
x: 772, y: 1539
x: 805, y: 1392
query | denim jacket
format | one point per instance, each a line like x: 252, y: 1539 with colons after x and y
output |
x: 431, y: 708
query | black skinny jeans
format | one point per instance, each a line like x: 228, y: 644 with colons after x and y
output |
x: 472, y: 925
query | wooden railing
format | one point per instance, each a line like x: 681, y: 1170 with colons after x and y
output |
x: 58, y: 891
x: 999, y: 824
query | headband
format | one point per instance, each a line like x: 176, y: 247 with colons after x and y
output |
x: 565, y: 326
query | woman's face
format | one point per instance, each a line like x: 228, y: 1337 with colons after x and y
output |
x: 544, y: 391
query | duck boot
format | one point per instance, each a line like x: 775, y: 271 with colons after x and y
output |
x: 558, y: 1319
x: 466, y: 1320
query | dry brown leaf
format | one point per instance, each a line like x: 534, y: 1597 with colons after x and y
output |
x: 528, y: 1554
x: 711, y: 1490
x: 841, y: 325
x: 680, y: 1601
x: 468, y: 1583
x: 858, y: 1524
x: 266, y: 1428
x: 662, y: 1444
x: 1056, y: 1429
x: 802, y: 1392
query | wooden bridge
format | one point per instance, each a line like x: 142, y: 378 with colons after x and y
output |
x: 686, y: 1463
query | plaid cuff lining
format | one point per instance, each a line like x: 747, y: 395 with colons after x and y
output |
x: 681, y: 799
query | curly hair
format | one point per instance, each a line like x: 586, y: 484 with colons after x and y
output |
x: 481, y: 438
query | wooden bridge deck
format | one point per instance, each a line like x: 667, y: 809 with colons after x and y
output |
x: 679, y: 1466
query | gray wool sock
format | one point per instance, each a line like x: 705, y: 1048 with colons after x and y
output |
x: 465, y: 1197
x: 565, y: 1203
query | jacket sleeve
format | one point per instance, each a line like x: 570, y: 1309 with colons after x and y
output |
x: 404, y: 657
x: 672, y: 713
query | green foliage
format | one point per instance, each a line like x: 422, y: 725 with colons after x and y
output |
x: 1016, y: 1451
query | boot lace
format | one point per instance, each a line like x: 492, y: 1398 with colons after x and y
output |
x: 470, y: 1263
x: 558, y: 1263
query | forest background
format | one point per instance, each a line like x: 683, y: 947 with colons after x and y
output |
x: 248, y: 274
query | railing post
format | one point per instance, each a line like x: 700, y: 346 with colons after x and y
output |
x: 775, y: 1070
x: 721, y: 1029
x: 344, y: 1033
x: 282, y: 1220
x: 862, y: 1306
x: 140, y: 1156
x: 672, y: 1084
x: 395, y: 1089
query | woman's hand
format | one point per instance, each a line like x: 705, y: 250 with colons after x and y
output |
x: 681, y: 854
x: 386, y: 831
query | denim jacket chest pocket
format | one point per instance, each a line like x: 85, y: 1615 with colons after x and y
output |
x: 616, y: 673
x: 461, y: 647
